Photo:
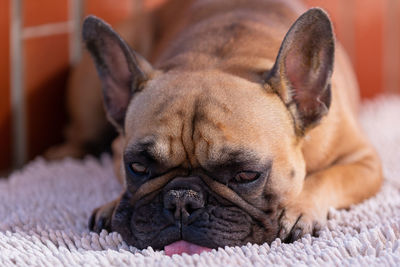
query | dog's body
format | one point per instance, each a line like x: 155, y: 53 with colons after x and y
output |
x: 232, y: 123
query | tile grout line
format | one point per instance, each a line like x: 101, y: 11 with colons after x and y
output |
x: 47, y: 29
x: 19, y: 148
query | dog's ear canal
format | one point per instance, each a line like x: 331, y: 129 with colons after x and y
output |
x: 302, y: 71
x: 122, y: 71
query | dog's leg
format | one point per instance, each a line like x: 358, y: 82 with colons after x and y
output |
x: 351, y: 180
x: 101, y: 217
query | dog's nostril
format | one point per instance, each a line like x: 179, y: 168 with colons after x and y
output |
x: 183, y: 202
x: 189, y: 208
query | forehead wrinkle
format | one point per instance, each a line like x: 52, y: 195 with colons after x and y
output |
x: 204, y: 114
x: 207, y: 121
x: 220, y: 105
x: 161, y: 108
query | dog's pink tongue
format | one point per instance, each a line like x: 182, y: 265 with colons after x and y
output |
x: 181, y: 246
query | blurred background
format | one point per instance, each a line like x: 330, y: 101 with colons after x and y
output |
x: 40, y: 40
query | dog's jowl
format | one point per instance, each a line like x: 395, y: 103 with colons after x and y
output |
x: 240, y: 128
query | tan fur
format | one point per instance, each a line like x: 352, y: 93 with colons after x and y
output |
x: 333, y: 164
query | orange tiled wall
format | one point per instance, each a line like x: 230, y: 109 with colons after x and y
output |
x: 46, y: 64
x: 46, y: 69
x: 360, y: 25
x: 368, y: 29
x: 5, y: 109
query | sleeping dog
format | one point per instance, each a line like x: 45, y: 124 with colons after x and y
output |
x: 241, y: 129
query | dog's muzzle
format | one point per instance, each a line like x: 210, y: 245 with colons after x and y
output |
x: 189, y: 214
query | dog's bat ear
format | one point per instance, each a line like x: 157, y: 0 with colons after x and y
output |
x: 303, y: 68
x: 122, y: 71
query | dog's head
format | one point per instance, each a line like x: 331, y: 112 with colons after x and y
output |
x: 210, y: 157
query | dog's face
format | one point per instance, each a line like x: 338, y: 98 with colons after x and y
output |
x: 192, y: 139
x: 210, y: 158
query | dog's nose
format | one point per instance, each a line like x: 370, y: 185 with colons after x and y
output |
x: 183, y: 202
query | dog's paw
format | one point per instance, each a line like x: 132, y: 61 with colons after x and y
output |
x: 101, y: 217
x: 300, y: 218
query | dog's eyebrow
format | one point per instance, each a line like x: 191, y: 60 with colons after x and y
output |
x: 141, y: 149
x: 230, y: 157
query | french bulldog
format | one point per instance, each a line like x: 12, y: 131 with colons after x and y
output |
x: 243, y: 128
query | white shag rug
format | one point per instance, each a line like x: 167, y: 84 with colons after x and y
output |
x: 44, y: 210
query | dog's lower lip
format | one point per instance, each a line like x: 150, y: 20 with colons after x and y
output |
x: 181, y: 246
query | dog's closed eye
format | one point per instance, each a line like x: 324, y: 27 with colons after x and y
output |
x: 246, y: 176
x: 138, y: 169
